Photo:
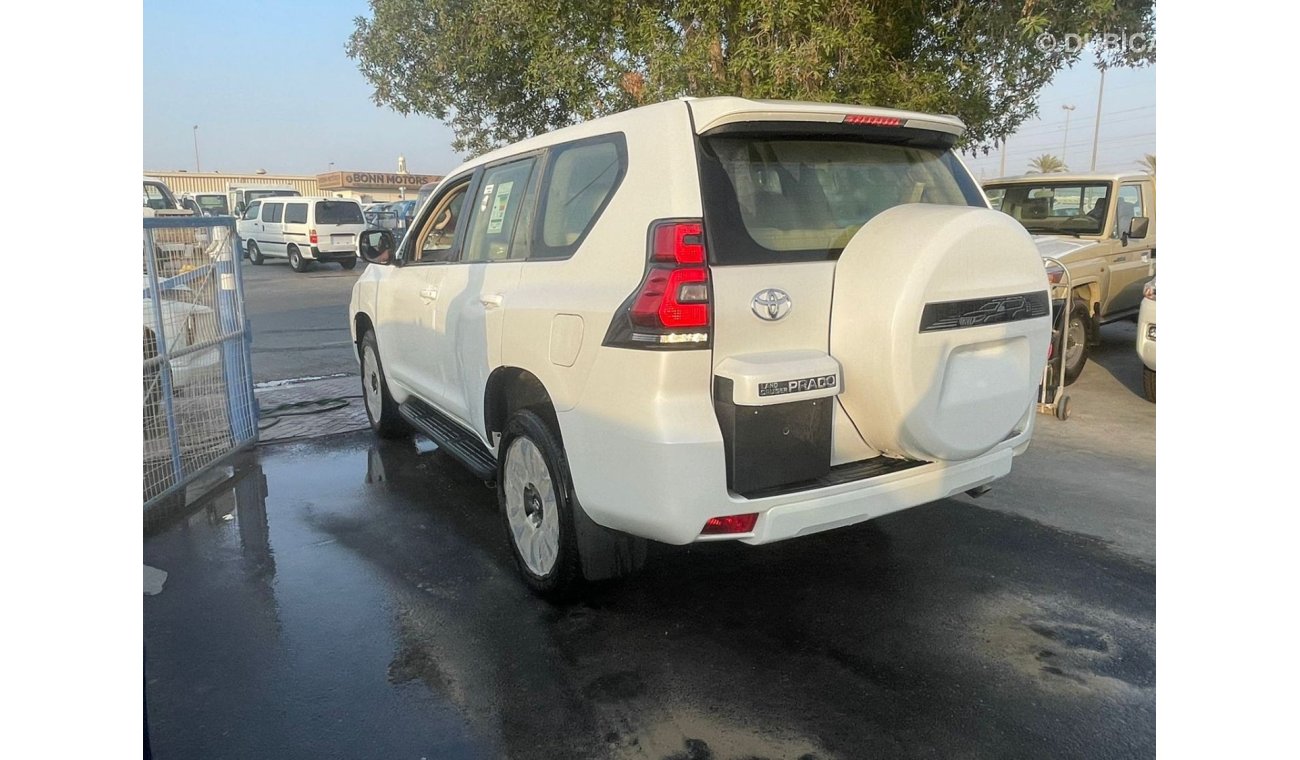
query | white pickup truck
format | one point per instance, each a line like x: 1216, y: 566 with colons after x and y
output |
x: 1102, y: 227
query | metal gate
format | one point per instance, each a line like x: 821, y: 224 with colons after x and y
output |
x: 198, y: 379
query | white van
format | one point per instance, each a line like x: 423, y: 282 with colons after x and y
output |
x: 302, y: 229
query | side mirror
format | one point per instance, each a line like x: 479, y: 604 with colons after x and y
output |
x: 1137, y: 227
x: 377, y: 246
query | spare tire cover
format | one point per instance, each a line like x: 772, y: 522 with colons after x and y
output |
x: 941, y: 321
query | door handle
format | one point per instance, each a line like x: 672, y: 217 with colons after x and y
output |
x: 491, y: 300
x: 429, y: 294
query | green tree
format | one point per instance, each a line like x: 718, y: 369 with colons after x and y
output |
x: 499, y: 70
x: 1148, y: 164
x: 1047, y: 164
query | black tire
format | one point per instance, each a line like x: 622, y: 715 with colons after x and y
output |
x: 296, y: 260
x: 564, y: 577
x: 349, y: 263
x: 1078, y: 335
x: 1149, y: 384
x: 385, y: 420
x: 255, y: 253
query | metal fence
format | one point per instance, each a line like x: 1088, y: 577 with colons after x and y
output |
x: 198, y: 378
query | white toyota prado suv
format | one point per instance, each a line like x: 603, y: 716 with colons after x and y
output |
x: 707, y: 320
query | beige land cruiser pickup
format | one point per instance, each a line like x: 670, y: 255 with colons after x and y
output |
x: 1102, y: 227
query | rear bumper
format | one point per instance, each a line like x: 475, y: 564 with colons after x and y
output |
x: 329, y: 253
x: 661, y: 473
x: 877, y: 497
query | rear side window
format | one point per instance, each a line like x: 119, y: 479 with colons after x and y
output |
x: 339, y: 212
x: 773, y: 199
x: 581, y: 177
x: 503, y: 192
x: 272, y: 212
x: 295, y: 213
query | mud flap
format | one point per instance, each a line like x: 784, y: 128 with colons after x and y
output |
x: 606, y: 553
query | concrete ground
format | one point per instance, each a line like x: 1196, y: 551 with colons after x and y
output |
x: 300, y: 321
x: 351, y: 597
x: 342, y: 596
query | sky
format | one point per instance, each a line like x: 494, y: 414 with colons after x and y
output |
x: 270, y: 87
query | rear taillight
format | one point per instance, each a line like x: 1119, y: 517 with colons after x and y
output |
x: 311, y: 235
x: 670, y: 308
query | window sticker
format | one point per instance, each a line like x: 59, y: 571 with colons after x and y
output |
x: 497, y: 219
x: 487, y: 194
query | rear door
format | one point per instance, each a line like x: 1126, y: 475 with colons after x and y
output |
x: 782, y: 201
x: 338, y: 223
x: 490, y: 264
x: 295, y: 228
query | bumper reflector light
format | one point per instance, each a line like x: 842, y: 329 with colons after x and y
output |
x: 730, y: 524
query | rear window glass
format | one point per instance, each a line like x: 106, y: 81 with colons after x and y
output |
x: 773, y: 199
x: 213, y: 204
x: 295, y: 213
x: 339, y: 212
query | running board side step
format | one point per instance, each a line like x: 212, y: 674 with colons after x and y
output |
x: 462, y: 445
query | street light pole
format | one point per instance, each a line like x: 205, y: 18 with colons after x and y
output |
x: 1096, y: 130
x: 1065, y: 140
x: 196, y: 149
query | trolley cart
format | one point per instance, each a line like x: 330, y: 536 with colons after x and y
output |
x: 1052, y: 398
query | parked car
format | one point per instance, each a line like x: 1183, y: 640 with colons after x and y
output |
x: 1146, y: 340
x: 303, y: 230
x: 1102, y: 227
x: 206, y: 204
x: 183, y: 324
x: 706, y: 320
x: 238, y: 195
x: 159, y: 200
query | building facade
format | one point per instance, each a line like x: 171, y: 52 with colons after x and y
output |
x: 366, y: 187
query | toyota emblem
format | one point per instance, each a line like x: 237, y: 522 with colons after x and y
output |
x: 771, y: 304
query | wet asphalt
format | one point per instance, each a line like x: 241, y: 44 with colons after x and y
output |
x: 352, y: 598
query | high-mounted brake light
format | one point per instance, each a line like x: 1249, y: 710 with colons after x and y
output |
x: 873, y: 121
x: 730, y: 524
x: 670, y: 308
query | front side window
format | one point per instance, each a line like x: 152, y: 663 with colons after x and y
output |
x: 252, y: 211
x: 580, y: 180
x: 272, y: 212
x: 157, y: 197
x: 502, y: 194
x: 339, y: 212
x: 439, y: 232
x: 1055, y: 208
x: 295, y: 213
x: 1128, y: 205
x: 776, y: 199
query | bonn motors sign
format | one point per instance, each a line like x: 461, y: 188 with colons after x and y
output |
x: 372, y: 180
